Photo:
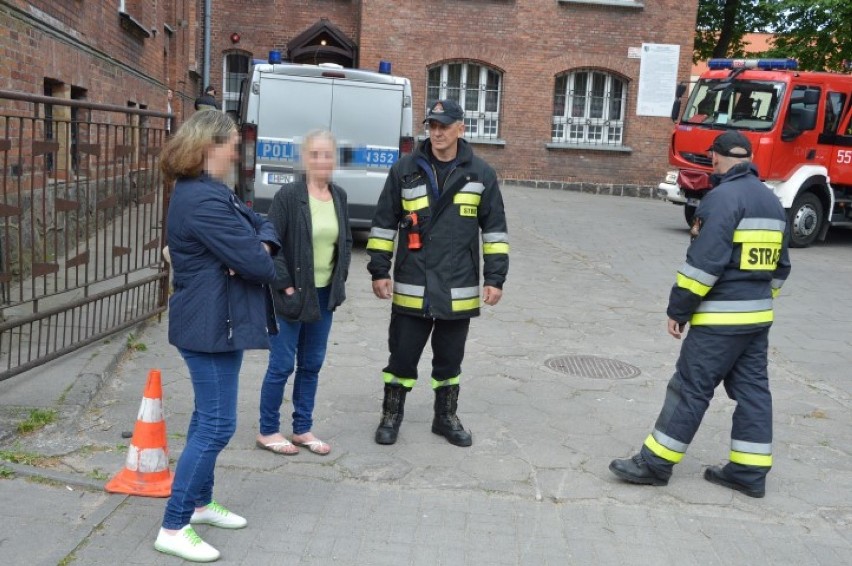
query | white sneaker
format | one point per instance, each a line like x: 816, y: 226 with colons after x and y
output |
x: 186, y: 544
x: 218, y: 516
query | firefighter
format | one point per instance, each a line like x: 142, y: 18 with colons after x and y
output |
x: 438, y: 203
x: 735, y: 266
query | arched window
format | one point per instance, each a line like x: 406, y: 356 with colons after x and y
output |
x: 478, y: 90
x: 235, y: 69
x: 589, y: 108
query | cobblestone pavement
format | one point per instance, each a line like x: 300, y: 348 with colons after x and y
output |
x: 589, y: 276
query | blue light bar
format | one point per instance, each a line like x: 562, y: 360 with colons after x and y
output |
x: 763, y: 64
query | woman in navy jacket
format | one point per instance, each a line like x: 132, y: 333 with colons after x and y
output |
x: 220, y: 252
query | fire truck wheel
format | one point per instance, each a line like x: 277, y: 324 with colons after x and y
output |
x: 689, y: 214
x: 806, y: 218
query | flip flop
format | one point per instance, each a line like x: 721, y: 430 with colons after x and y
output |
x: 278, y: 447
x: 316, y: 446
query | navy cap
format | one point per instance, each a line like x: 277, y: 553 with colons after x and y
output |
x: 445, y: 112
x: 731, y: 144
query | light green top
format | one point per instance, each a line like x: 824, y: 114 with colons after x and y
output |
x: 325, y: 233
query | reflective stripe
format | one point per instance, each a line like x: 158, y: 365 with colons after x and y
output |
x: 757, y: 460
x: 146, y: 460
x: 775, y: 292
x: 758, y: 236
x: 692, y: 285
x: 751, y: 447
x: 416, y: 204
x: 415, y: 192
x: 391, y: 379
x: 762, y: 224
x: 473, y: 188
x: 698, y: 275
x: 380, y: 244
x: 407, y: 289
x: 465, y: 304
x: 731, y: 318
x: 462, y: 198
x: 490, y: 237
x: 662, y: 451
x: 382, y: 233
x: 464, y: 292
x: 445, y: 383
x: 735, y: 306
x: 496, y: 248
x: 408, y: 302
x: 669, y: 442
x: 777, y: 283
x: 150, y: 411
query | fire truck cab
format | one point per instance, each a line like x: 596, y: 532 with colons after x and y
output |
x: 800, y: 127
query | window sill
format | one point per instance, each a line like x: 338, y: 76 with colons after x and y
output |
x: 132, y: 25
x: 634, y: 4
x: 590, y: 147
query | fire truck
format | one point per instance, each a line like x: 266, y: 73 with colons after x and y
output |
x: 800, y: 127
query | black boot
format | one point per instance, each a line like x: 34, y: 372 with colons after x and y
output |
x: 392, y: 410
x: 446, y: 423
x: 636, y: 470
x: 717, y: 475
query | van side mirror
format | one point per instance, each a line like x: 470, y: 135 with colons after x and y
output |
x: 675, y: 110
x: 681, y: 88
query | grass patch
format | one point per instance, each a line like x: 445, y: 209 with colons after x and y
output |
x: 38, y: 418
x: 27, y: 459
x: 6, y: 473
x: 98, y: 475
x: 135, y: 345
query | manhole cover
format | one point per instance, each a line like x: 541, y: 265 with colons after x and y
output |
x: 592, y: 366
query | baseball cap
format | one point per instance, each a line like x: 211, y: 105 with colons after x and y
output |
x: 445, y: 112
x: 731, y: 144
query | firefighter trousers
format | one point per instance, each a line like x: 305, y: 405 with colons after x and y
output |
x: 707, y: 359
x: 407, y: 337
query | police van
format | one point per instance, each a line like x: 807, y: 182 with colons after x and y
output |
x: 368, y: 112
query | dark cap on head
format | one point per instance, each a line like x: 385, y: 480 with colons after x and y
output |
x: 445, y: 112
x: 731, y: 144
x: 209, y: 89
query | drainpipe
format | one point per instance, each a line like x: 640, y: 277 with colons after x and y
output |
x: 206, y: 56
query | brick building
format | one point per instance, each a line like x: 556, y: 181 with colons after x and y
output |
x: 549, y: 86
x: 120, y: 52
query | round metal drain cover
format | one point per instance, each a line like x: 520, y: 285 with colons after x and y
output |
x: 592, y: 366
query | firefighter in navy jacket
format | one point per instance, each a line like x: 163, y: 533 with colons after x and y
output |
x: 437, y: 203
x: 735, y: 266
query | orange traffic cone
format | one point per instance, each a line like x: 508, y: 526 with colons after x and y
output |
x: 146, y: 471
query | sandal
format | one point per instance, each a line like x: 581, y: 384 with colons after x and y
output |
x: 316, y: 446
x: 286, y: 447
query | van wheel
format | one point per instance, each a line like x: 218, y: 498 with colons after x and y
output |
x: 806, y: 220
x: 689, y: 214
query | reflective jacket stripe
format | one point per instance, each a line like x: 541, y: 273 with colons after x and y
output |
x: 733, y: 312
x: 772, y: 224
x: 416, y: 204
x: 464, y: 292
x: 408, y: 289
x: 751, y: 453
x: 735, y: 306
x: 477, y: 188
x: 695, y: 280
x: 414, y: 192
x: 445, y: 383
x: 658, y: 447
x: 409, y: 296
x: 459, y: 305
x: 408, y: 302
x: 391, y: 379
x: 692, y: 285
x: 491, y: 237
x: 758, y: 236
x: 462, y: 198
x: 497, y: 248
x: 381, y: 239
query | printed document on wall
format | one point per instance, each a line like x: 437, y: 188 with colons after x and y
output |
x: 657, y: 79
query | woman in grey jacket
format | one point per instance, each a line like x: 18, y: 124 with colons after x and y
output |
x: 312, y: 222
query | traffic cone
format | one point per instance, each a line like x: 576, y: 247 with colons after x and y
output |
x: 146, y: 471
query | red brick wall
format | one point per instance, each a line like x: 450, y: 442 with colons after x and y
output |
x: 531, y: 41
x: 82, y: 43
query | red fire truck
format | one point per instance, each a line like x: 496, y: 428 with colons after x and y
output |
x: 800, y: 127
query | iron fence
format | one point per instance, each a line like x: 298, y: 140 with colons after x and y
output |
x: 82, y: 214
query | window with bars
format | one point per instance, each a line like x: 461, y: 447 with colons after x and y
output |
x: 477, y: 88
x: 589, y: 108
x: 236, y: 67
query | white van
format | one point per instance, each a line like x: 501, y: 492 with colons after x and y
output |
x: 368, y: 112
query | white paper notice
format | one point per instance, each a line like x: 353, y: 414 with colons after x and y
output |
x: 657, y: 79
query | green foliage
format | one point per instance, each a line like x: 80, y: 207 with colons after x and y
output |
x: 134, y: 344
x: 25, y: 458
x: 722, y: 24
x: 815, y: 32
x: 6, y: 473
x: 38, y: 418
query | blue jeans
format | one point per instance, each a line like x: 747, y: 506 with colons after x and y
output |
x: 214, y: 381
x: 302, y: 343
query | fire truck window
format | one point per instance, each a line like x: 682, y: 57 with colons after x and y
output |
x: 833, y: 111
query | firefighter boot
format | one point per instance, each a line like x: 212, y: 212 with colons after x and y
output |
x: 392, y: 411
x: 446, y: 423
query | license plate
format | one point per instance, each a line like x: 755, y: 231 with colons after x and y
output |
x: 279, y: 178
x: 693, y: 201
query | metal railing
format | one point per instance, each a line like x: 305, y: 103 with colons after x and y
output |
x: 82, y: 214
